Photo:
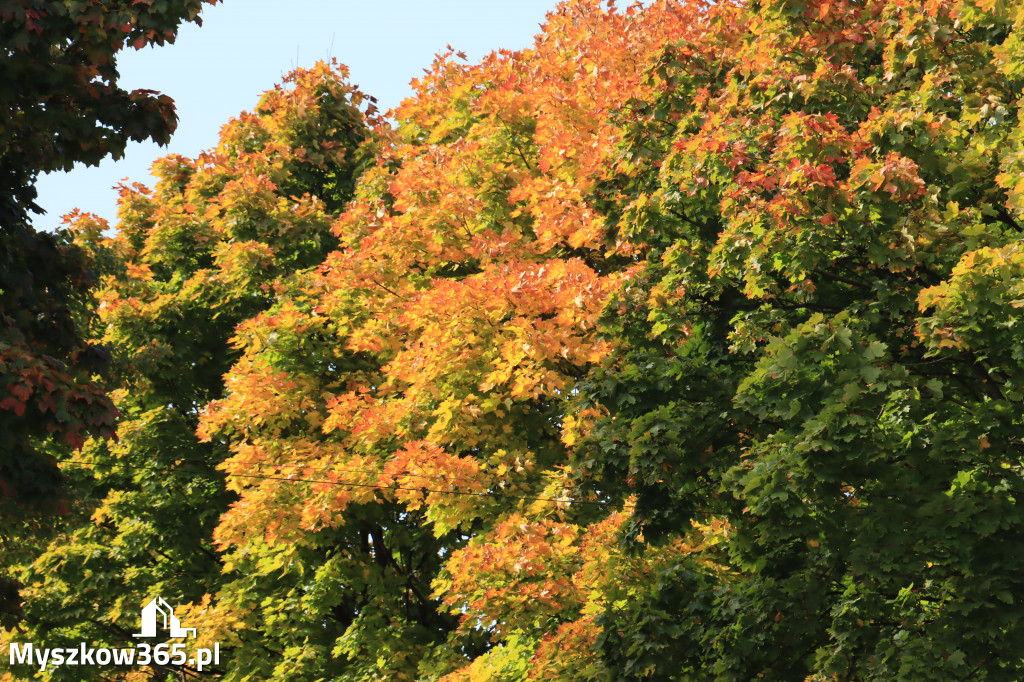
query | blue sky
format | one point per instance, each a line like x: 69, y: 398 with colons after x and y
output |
x: 245, y: 46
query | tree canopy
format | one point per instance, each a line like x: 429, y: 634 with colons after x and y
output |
x: 680, y: 345
x: 60, y: 104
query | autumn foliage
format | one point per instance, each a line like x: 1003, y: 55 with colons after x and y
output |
x: 680, y: 345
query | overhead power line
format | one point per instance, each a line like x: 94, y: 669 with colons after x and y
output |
x: 353, y: 484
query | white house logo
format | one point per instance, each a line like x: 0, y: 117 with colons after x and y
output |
x: 158, y: 620
x: 153, y: 612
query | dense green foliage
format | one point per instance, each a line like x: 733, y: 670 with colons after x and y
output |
x: 823, y: 348
x: 59, y: 104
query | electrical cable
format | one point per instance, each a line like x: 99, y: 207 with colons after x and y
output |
x: 566, y: 500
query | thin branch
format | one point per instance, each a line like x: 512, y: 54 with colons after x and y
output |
x: 390, y: 291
